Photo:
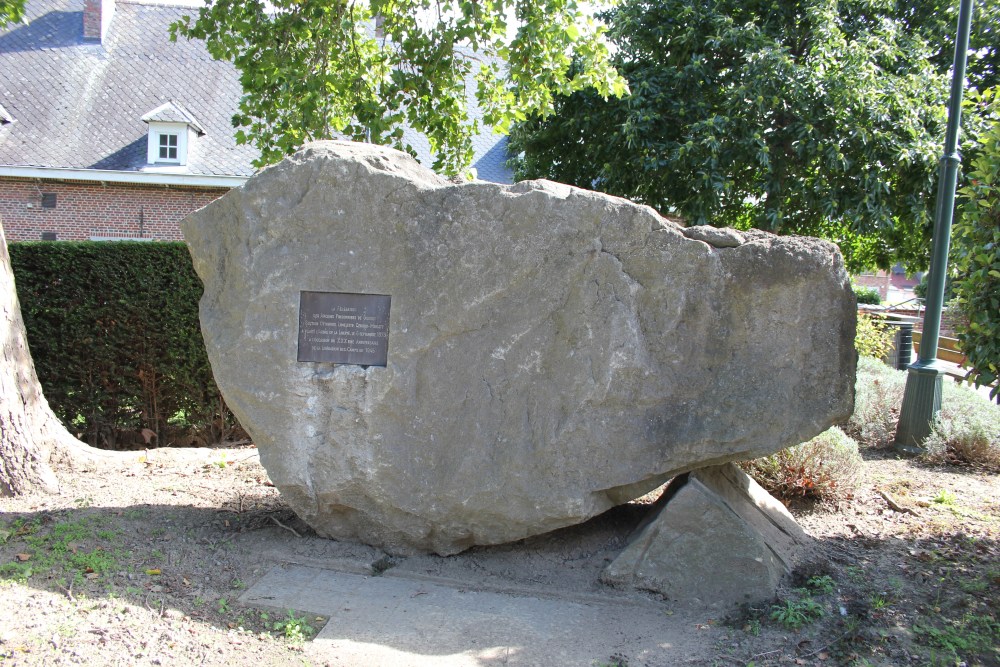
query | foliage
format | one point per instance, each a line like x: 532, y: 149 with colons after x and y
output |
x: 11, y: 11
x: 873, y: 336
x: 809, y: 117
x: 824, y: 468
x: 793, y: 613
x: 867, y: 295
x: 976, y: 256
x: 823, y: 584
x: 937, y: 22
x: 294, y: 628
x: 920, y: 289
x: 314, y: 69
x: 944, y: 497
x: 113, y: 329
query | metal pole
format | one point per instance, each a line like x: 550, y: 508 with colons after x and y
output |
x: 922, y: 396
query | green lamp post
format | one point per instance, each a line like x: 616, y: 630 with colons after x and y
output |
x: 922, y: 396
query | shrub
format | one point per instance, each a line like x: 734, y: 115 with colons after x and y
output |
x: 966, y: 432
x: 873, y: 338
x: 825, y: 468
x: 113, y: 329
x: 967, y: 429
x: 976, y: 255
x: 868, y: 295
x: 878, y: 396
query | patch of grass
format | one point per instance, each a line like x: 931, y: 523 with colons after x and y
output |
x: 975, y: 586
x: 971, y: 637
x: 68, y: 549
x: 17, y: 571
x: 826, y: 468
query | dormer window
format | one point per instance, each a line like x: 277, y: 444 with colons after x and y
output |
x: 173, y: 134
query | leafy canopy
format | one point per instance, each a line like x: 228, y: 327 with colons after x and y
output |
x: 806, y: 116
x: 11, y: 11
x: 316, y: 69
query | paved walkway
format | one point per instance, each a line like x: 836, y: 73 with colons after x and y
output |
x: 404, y: 620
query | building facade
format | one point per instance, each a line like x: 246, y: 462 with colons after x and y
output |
x: 108, y: 130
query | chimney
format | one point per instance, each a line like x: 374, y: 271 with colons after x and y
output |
x: 96, y: 19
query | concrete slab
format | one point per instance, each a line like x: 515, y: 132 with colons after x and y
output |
x: 403, y: 620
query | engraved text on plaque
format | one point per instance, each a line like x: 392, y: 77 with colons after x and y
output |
x: 344, y: 328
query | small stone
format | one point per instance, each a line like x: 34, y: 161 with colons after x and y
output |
x: 715, y: 236
x: 719, y: 539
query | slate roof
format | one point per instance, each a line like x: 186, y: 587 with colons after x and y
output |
x: 75, y: 104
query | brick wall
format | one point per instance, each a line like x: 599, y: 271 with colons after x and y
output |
x: 85, y: 210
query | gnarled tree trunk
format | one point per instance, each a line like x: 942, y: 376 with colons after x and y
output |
x: 30, y: 434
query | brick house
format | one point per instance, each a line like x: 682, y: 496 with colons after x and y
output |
x: 108, y: 130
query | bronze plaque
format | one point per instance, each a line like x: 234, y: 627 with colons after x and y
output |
x: 344, y: 328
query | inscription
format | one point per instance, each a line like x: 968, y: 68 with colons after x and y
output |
x: 343, y: 328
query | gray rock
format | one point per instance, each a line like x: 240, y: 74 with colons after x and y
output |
x: 718, y: 540
x: 719, y: 238
x: 553, y: 352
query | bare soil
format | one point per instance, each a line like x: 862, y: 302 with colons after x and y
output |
x: 142, y: 564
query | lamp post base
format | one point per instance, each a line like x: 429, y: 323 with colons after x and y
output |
x: 921, y: 404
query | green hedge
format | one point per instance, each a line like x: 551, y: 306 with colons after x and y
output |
x: 868, y: 295
x: 114, y: 333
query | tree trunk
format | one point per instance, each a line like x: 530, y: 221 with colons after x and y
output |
x: 30, y: 434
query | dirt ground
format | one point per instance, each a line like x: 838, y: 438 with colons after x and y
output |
x: 142, y: 564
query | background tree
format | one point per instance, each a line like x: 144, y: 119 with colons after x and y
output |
x: 812, y: 117
x: 316, y: 69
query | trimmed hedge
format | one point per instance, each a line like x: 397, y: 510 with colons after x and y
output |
x: 114, y: 333
x: 867, y: 295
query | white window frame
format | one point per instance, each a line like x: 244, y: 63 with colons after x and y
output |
x: 158, y: 130
x: 164, y: 143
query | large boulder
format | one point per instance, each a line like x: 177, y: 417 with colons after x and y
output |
x: 552, y: 352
